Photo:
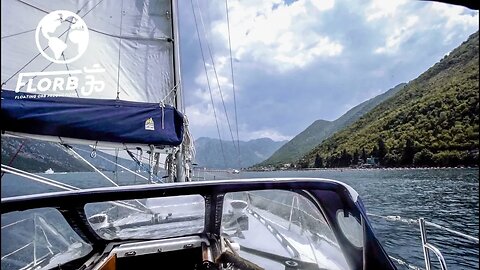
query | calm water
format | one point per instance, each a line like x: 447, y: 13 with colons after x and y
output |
x: 447, y: 197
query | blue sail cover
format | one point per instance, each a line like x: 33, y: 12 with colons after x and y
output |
x: 91, y: 119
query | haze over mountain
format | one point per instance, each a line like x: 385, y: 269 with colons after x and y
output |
x: 432, y: 121
x: 209, y: 152
x: 322, y: 129
x: 39, y: 156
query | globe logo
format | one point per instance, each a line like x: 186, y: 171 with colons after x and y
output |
x: 62, y: 36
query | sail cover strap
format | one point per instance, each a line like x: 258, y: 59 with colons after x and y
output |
x: 91, y: 119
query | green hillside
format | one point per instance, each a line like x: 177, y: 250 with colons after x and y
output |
x: 432, y: 121
x: 300, y: 144
x: 322, y: 129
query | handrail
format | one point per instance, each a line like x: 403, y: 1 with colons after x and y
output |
x: 474, y: 239
x: 415, y: 222
x: 439, y: 255
x: 425, y: 245
x: 401, y: 262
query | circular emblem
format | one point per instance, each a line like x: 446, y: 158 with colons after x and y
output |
x: 61, y: 36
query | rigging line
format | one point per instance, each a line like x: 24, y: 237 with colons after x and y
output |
x: 13, y: 223
x: 67, y: 186
x: 33, y: 6
x: 63, y: 55
x: 116, y: 164
x: 35, y: 57
x: 68, y: 69
x: 216, y: 76
x: 44, y: 11
x: 233, y: 79
x: 14, y: 156
x: 57, y: 184
x: 28, y: 63
x: 35, y: 75
x: 119, y: 50
x: 17, y: 250
x: 208, y: 82
x: 46, y: 180
x: 475, y: 239
x: 97, y: 170
x: 66, y: 31
x: 174, y: 89
x: 415, y: 221
x: 166, y: 39
x: 34, y: 179
x: 91, y: 165
x: 121, y: 166
x: 19, y: 33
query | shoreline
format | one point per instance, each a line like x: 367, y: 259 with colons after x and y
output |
x: 361, y: 169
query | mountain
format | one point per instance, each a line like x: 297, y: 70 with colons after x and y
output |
x: 432, y: 121
x: 322, y: 129
x: 209, y: 152
x: 38, y: 156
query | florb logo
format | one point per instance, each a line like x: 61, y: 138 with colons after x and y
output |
x: 62, y: 36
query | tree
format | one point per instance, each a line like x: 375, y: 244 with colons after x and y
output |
x: 374, y: 152
x: 364, y: 155
x: 303, y: 163
x: 355, y: 157
x: 423, y: 158
x: 391, y: 159
x: 408, y: 152
x: 318, y: 161
x: 382, y: 151
x: 345, y: 159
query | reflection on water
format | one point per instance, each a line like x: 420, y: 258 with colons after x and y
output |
x: 447, y: 197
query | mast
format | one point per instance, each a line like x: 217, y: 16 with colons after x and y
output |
x: 179, y: 155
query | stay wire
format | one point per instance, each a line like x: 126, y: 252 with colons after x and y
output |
x: 119, y: 52
x: 208, y: 82
x: 233, y: 81
x: 216, y: 77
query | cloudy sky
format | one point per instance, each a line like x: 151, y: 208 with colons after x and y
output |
x: 298, y: 61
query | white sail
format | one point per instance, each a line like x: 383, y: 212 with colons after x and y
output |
x: 97, y: 49
x: 130, y: 40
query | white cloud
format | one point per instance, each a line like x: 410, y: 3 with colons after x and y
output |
x: 400, y: 20
x: 264, y: 133
x: 200, y: 116
x: 283, y: 38
x: 383, y: 8
x: 382, y: 44
x: 202, y: 121
x: 323, y: 4
x: 203, y: 93
x: 399, y: 35
x: 455, y: 15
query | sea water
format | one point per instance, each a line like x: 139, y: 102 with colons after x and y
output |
x: 448, y: 197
